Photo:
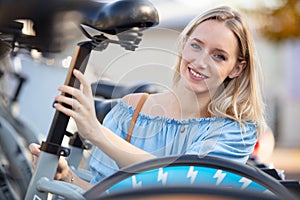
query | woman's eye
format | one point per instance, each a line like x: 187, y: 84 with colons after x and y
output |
x: 195, y: 46
x: 220, y: 57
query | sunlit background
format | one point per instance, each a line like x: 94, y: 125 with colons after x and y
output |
x: 275, y: 25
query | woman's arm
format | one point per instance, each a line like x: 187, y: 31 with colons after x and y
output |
x: 118, y: 149
x: 74, y: 179
x: 83, y: 112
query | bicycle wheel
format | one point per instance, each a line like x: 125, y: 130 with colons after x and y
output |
x: 189, y: 170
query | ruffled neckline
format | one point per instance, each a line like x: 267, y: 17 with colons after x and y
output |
x: 166, y: 119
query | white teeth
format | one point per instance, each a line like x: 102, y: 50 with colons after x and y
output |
x: 196, y: 74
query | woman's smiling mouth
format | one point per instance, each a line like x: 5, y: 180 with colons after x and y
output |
x: 196, y: 75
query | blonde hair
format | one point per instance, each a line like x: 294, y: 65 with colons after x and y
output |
x: 240, y: 98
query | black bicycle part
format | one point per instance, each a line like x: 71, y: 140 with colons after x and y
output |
x: 119, y: 16
x: 293, y: 186
x: 110, y: 90
x: 18, y: 168
x: 186, y: 192
x: 112, y: 18
x: 7, y: 191
x: 103, y: 106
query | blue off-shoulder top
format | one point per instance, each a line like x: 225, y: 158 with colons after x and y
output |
x: 162, y: 136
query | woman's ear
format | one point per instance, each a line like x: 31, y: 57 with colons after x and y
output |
x: 182, y: 43
x: 237, y: 70
x: 184, y: 40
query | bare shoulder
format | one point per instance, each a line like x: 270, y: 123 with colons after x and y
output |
x: 133, y: 99
x: 152, y: 99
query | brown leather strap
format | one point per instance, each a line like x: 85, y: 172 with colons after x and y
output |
x: 135, y: 116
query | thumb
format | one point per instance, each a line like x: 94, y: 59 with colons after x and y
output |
x: 34, y: 149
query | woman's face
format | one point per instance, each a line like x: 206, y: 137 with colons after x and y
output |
x: 209, y: 56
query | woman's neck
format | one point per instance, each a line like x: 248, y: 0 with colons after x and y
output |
x: 190, y: 104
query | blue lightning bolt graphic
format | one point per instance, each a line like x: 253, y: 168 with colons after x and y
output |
x: 35, y: 197
x: 162, y: 176
x: 219, y: 176
x: 136, y: 184
x: 192, y: 174
x: 245, y: 182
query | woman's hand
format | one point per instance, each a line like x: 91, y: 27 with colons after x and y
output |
x: 82, y: 108
x: 63, y: 171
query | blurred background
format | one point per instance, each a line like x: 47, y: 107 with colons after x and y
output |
x: 275, y: 25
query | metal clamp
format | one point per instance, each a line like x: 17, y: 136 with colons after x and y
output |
x: 55, y: 149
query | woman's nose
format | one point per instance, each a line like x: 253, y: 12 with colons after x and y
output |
x: 202, y: 60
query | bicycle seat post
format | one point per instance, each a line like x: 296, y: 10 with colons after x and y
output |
x: 51, y: 150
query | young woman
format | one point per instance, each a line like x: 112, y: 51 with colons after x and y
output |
x: 215, y: 107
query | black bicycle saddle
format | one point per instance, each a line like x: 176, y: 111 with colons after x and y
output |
x: 111, y: 18
x: 110, y: 90
x: 119, y: 16
x: 103, y: 106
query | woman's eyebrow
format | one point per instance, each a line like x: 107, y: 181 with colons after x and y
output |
x: 197, y: 40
